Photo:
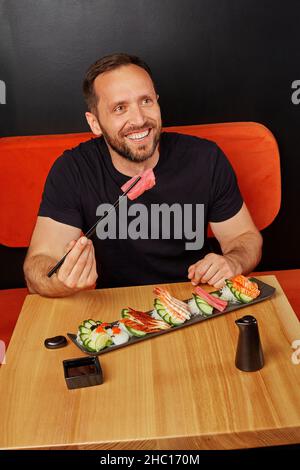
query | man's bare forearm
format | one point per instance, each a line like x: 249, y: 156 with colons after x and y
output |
x: 244, y: 251
x: 36, y: 269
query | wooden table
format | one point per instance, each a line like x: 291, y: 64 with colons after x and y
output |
x: 176, y: 391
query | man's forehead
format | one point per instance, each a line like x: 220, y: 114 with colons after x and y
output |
x: 124, y: 81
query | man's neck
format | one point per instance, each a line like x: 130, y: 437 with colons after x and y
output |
x: 128, y: 168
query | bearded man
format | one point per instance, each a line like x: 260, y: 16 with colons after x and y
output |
x: 124, y: 115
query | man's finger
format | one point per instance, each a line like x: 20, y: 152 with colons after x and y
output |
x: 90, y: 277
x: 218, y: 284
x: 70, y: 245
x: 74, y: 255
x: 93, y: 276
x: 73, y: 269
x: 191, y: 271
x: 200, y: 271
x: 83, y: 278
x: 210, y: 273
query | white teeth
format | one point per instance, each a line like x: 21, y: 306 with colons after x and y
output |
x: 137, y: 136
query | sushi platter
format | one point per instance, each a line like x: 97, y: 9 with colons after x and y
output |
x: 169, y: 314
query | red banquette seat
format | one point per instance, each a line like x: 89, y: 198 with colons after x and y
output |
x: 25, y: 162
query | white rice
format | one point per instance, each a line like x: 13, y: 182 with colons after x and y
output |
x: 155, y: 315
x: 193, y: 307
x: 78, y: 339
x: 123, y: 328
x: 120, y: 338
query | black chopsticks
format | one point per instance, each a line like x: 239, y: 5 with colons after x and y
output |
x: 90, y: 232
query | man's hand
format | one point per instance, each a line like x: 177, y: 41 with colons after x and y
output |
x: 241, y: 245
x: 213, y: 269
x: 78, y: 271
x: 48, y: 243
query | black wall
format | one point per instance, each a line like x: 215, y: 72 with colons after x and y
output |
x: 213, y: 61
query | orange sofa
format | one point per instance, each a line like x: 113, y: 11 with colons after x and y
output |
x: 25, y: 162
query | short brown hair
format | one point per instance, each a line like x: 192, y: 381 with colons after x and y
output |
x: 109, y: 62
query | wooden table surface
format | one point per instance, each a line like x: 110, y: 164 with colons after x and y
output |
x: 176, y: 391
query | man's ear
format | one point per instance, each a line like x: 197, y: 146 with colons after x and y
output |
x: 93, y: 123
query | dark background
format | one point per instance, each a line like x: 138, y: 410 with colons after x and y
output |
x: 213, y: 61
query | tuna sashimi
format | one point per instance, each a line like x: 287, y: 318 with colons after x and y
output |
x: 219, y: 304
x: 146, y: 182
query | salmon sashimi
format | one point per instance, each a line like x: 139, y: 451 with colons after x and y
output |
x: 245, y: 286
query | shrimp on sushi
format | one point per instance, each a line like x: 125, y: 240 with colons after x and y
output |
x: 170, y: 309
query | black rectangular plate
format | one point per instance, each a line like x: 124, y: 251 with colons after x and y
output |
x: 266, y: 291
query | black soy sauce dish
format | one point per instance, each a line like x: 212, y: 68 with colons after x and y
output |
x: 82, y: 372
x: 55, y: 342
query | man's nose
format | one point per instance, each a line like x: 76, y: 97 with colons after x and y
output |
x: 136, y: 116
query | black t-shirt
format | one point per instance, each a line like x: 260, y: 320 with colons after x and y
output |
x: 190, y: 173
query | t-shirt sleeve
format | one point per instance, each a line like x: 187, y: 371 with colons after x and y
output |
x: 225, y: 197
x: 61, y: 197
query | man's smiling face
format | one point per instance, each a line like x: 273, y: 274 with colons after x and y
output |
x: 128, y: 112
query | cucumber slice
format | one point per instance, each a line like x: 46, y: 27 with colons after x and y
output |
x: 206, y: 309
x: 165, y: 314
x: 234, y: 291
x: 83, y: 329
x: 216, y: 294
x: 203, y: 306
x: 131, y: 331
x: 161, y: 310
x: 89, y: 345
x: 102, y: 341
x: 84, y: 336
x: 158, y: 305
x: 245, y: 298
x: 97, y: 341
x: 86, y: 324
x: 125, y: 313
x: 135, y: 332
x: 175, y: 321
x: 124, y: 328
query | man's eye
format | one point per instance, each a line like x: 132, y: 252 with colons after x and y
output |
x: 119, y: 109
x: 147, y: 101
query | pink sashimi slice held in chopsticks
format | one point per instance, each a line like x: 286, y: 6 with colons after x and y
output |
x: 219, y: 304
x: 146, y: 182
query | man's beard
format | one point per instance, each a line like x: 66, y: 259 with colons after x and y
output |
x: 138, y: 155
